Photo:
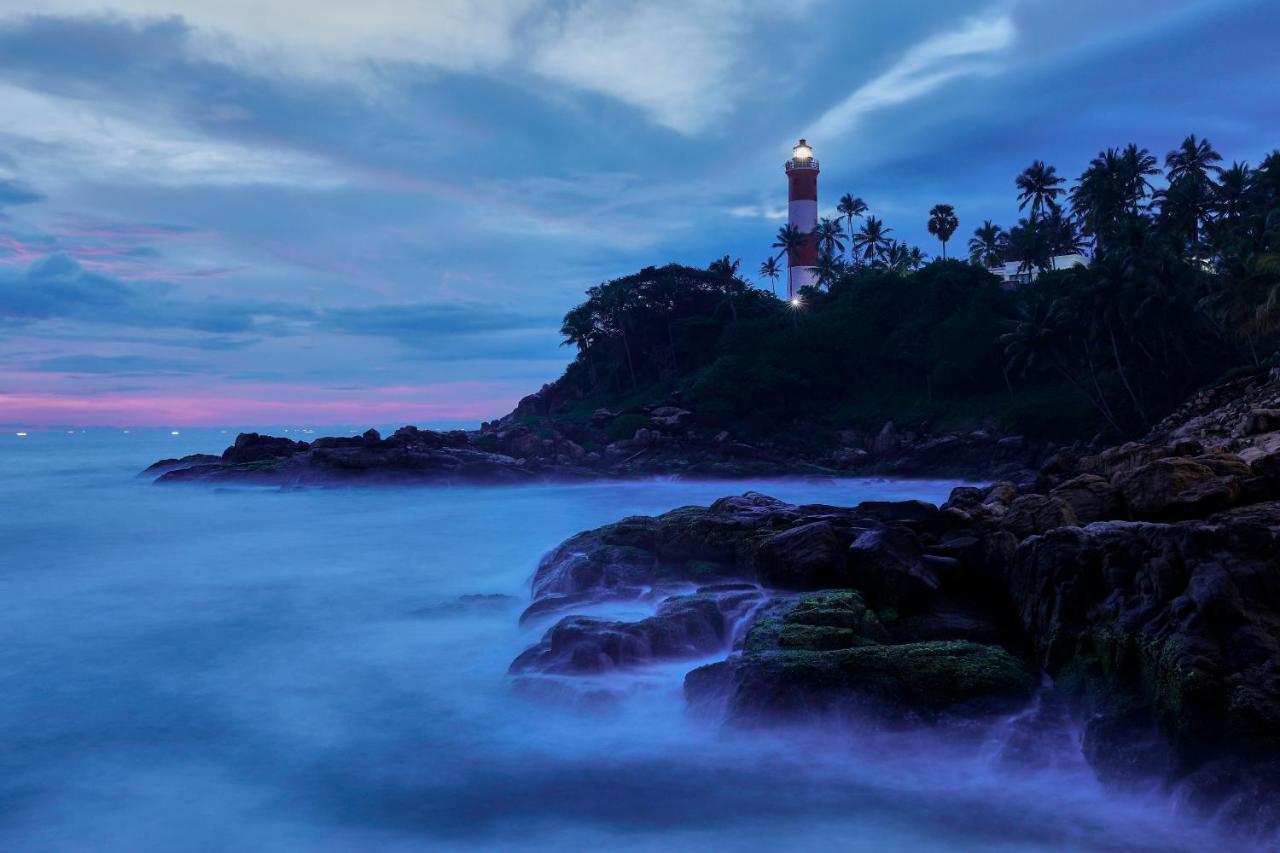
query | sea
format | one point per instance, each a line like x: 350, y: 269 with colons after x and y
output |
x: 193, y: 668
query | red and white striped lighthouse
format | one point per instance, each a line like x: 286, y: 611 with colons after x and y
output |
x: 802, y: 215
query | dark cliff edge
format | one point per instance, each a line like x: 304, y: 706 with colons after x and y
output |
x: 1134, y: 592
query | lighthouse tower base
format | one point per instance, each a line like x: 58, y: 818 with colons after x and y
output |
x: 799, y: 277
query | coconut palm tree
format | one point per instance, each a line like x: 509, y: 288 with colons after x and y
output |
x: 916, y: 258
x: 1039, y: 185
x: 770, y: 270
x: 830, y: 236
x: 1041, y: 337
x: 872, y: 238
x: 1028, y: 246
x: 897, y: 257
x: 829, y: 270
x: 788, y: 240
x: 849, y: 207
x: 1136, y: 165
x: 1193, y: 160
x: 943, y: 223
x: 988, y: 245
x: 1061, y: 235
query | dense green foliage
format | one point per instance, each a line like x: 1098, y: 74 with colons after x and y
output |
x: 1182, y: 287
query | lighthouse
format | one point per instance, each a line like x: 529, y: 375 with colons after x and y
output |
x: 802, y: 215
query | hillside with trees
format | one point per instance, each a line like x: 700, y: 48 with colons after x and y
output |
x: 1181, y: 290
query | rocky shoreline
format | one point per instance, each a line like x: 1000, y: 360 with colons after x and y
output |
x: 657, y: 439
x: 1135, y: 591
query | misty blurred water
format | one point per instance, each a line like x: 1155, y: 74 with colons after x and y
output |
x: 250, y: 669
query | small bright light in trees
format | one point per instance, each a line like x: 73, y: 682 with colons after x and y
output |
x: 795, y: 303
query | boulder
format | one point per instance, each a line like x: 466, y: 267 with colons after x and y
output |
x: 811, y: 556
x: 1029, y: 515
x: 684, y: 626
x: 887, y: 440
x: 252, y: 447
x: 901, y: 685
x: 887, y: 564
x: 1163, y: 488
x: 1091, y: 498
x: 964, y: 497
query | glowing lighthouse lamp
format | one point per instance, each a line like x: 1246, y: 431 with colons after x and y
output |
x: 802, y: 215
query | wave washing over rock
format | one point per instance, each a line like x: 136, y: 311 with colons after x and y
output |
x: 1134, y: 593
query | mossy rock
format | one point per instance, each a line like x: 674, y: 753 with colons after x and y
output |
x: 907, y: 682
x: 819, y: 638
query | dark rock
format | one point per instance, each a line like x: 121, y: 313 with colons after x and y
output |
x: 1163, y: 488
x: 810, y: 556
x: 918, y: 515
x: 964, y: 497
x: 1091, y: 498
x: 887, y: 564
x: 1032, y: 514
x: 191, y: 460
x: 900, y: 684
x: 252, y: 447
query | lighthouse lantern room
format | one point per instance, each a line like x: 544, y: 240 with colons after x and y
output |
x: 802, y: 215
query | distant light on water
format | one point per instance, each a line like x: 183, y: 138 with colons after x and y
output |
x: 173, y: 432
x: 20, y: 434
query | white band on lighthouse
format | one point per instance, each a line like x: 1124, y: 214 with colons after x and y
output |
x: 802, y: 214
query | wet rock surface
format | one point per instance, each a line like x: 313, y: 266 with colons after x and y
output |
x: 1135, y: 591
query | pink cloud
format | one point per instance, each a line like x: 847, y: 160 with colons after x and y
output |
x: 264, y: 404
x: 123, y: 250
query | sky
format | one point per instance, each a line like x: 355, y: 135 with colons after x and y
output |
x: 311, y: 212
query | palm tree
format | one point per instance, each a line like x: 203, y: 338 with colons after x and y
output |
x: 1190, y: 193
x: 988, y: 245
x: 1040, y: 187
x: 872, y: 238
x: 1042, y: 336
x: 1136, y: 165
x: 1193, y: 159
x: 1233, y: 191
x: 916, y: 258
x: 897, y: 257
x: 943, y: 223
x: 1061, y: 235
x: 788, y: 240
x: 1028, y: 246
x: 724, y: 267
x: 770, y: 270
x: 849, y: 207
x: 727, y: 271
x: 830, y: 236
x: 829, y: 269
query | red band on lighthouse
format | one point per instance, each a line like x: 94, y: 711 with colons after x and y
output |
x: 802, y: 215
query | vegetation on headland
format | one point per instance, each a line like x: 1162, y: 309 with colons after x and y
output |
x: 1181, y: 289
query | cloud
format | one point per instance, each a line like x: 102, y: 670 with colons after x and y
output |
x: 66, y: 139
x: 934, y: 62
x: 758, y: 211
x: 16, y: 192
x: 325, y: 39
x: 672, y: 59
x: 58, y: 288
x: 410, y: 323
x: 116, y: 365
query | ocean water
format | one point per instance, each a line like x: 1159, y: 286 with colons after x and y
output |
x: 251, y: 669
